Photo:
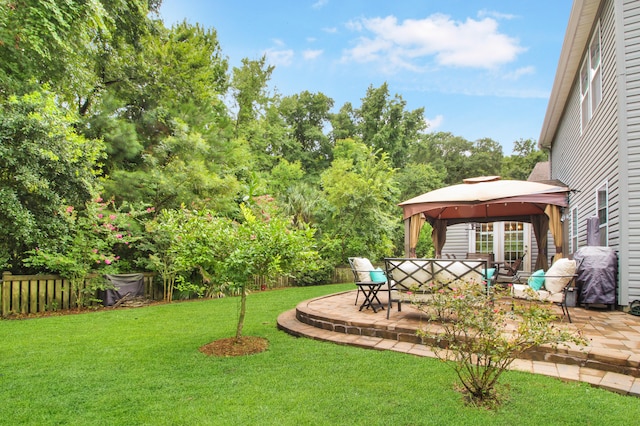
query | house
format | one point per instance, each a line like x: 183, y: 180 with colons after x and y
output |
x: 592, y: 132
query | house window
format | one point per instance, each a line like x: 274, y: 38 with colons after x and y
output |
x: 602, y: 200
x: 573, y: 230
x: 590, y: 80
x: 484, y: 238
x: 514, y: 241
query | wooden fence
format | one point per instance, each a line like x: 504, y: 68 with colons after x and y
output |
x: 30, y: 294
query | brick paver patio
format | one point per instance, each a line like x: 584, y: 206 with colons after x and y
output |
x: 611, y: 360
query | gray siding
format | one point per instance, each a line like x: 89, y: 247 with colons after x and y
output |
x: 586, y: 161
x: 630, y: 253
x: 457, y: 240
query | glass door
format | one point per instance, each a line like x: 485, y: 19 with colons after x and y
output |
x: 508, y: 241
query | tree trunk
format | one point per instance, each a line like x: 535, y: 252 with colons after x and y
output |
x: 243, y: 310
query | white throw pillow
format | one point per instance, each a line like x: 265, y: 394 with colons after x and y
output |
x: 557, y: 277
x: 363, y: 267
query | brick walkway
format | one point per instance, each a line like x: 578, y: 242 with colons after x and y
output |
x: 610, y: 361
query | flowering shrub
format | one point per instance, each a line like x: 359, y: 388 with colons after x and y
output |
x: 482, y: 334
x: 97, y: 231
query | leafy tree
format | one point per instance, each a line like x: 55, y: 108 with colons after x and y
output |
x: 262, y: 245
x: 249, y: 87
x: 384, y: 124
x: 525, y: 156
x: 180, y: 151
x: 67, y: 44
x: 343, y: 123
x: 486, y: 158
x: 307, y: 114
x: 45, y: 166
x: 360, y: 194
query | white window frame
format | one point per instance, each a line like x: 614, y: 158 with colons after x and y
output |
x: 602, y: 211
x: 590, y: 78
x: 573, y: 230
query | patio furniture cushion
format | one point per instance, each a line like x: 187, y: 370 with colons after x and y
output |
x: 536, y: 280
x: 363, y: 267
x: 378, y: 276
x: 412, y: 273
x: 559, y: 275
x: 489, y: 273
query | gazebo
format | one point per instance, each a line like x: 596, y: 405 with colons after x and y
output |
x: 488, y: 199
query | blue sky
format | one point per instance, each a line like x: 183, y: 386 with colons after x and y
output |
x: 480, y: 69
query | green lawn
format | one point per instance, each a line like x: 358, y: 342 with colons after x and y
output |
x: 142, y: 366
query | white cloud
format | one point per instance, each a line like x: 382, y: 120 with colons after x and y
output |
x: 330, y: 30
x: 434, y: 123
x: 282, y: 57
x: 320, y: 4
x: 515, y: 75
x: 311, y: 54
x: 498, y: 15
x: 413, y: 44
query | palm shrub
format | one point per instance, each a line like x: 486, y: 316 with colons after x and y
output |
x: 482, y: 334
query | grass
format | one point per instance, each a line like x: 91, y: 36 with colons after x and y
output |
x: 142, y: 366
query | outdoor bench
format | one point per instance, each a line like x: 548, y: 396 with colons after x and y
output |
x: 414, y: 280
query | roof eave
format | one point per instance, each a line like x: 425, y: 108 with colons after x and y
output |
x: 581, y: 19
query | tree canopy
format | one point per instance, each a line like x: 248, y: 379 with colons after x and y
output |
x: 100, y: 97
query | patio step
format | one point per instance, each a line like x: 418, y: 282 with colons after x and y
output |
x: 334, y: 318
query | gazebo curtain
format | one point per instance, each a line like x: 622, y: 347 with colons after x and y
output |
x: 540, y: 228
x: 439, y: 235
x: 555, y: 225
x: 415, y: 225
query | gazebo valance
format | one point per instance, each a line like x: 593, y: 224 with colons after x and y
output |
x: 488, y: 199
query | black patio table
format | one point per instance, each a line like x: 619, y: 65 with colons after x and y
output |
x: 370, y: 291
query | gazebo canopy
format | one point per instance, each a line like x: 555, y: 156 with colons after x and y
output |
x: 487, y: 199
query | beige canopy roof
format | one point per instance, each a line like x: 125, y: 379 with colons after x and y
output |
x: 488, y: 199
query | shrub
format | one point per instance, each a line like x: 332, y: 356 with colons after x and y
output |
x: 482, y: 334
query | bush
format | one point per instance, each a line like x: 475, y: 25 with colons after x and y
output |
x: 482, y: 334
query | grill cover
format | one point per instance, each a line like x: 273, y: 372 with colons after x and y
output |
x: 597, y: 275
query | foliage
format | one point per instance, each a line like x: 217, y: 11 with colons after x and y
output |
x: 45, y: 166
x: 482, y: 335
x: 263, y: 245
x: 521, y: 163
x: 95, y: 232
x: 181, y: 241
x: 360, y: 217
x: 147, y: 114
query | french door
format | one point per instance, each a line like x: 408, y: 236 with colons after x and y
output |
x: 508, y: 241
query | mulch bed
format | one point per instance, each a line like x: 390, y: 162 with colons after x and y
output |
x: 245, y: 345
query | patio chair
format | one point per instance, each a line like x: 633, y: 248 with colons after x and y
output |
x: 361, y: 267
x: 550, y: 286
x: 509, y: 272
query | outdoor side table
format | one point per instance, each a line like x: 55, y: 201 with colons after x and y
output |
x: 370, y: 291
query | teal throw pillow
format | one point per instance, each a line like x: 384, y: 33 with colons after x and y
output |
x: 488, y: 273
x: 536, y: 280
x: 378, y: 276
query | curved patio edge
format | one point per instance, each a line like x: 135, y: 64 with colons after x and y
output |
x: 335, y: 318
